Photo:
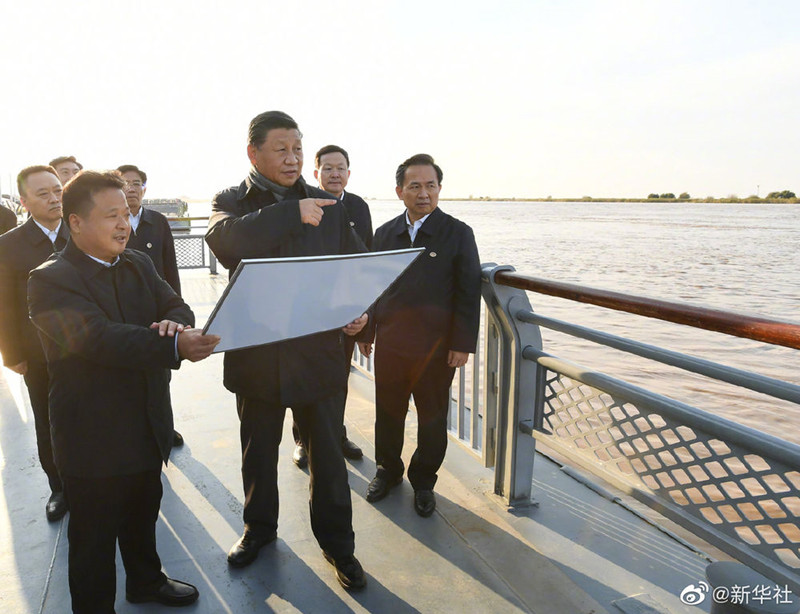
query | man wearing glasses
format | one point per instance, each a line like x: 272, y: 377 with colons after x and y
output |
x: 151, y: 234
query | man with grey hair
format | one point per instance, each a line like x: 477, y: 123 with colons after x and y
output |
x: 273, y: 213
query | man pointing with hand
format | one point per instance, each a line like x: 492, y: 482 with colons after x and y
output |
x: 273, y: 213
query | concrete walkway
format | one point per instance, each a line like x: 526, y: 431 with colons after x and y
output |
x: 576, y: 552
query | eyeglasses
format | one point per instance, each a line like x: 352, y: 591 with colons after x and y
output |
x: 134, y: 184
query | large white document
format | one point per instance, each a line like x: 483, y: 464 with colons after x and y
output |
x: 273, y: 299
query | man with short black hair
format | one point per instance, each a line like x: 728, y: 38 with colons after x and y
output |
x: 332, y: 171
x: 273, y: 213
x: 66, y: 167
x: 111, y: 328
x: 151, y: 234
x: 21, y: 250
x: 426, y: 326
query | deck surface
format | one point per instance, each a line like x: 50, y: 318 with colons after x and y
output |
x: 575, y: 551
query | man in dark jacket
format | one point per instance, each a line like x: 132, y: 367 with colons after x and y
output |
x: 273, y: 214
x: 332, y: 171
x: 22, y: 250
x: 111, y: 327
x: 426, y: 326
x: 150, y: 231
x: 8, y: 219
x: 151, y: 234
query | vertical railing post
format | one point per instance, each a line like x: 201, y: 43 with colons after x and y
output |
x: 519, y: 400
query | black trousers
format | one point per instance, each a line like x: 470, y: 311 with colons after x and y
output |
x: 397, y: 378
x: 103, y: 511
x: 320, y: 428
x: 38, y: 383
x: 349, y: 346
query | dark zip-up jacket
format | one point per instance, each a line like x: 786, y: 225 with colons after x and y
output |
x: 435, y: 304
x: 153, y: 236
x: 249, y: 223
x: 110, y: 410
x: 22, y: 250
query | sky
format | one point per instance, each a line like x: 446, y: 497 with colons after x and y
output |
x: 529, y: 98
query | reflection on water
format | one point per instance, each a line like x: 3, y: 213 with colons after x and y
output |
x: 742, y: 258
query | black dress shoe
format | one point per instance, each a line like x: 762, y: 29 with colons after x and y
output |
x: 245, y: 551
x: 351, y: 450
x: 56, y: 506
x: 300, y: 456
x: 379, y: 487
x: 170, y: 592
x: 348, y: 571
x: 177, y: 439
x: 424, y: 502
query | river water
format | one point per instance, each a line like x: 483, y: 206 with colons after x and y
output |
x: 735, y: 257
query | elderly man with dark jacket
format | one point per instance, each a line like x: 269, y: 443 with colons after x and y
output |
x: 111, y: 328
x: 273, y: 213
x: 426, y: 326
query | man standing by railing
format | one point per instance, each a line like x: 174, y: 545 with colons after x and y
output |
x: 273, y: 214
x: 332, y: 170
x: 427, y: 325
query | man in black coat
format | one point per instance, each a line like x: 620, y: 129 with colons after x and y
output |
x: 272, y: 214
x: 111, y: 328
x: 332, y: 171
x: 22, y: 250
x: 151, y: 234
x: 426, y: 327
x: 8, y: 219
x: 150, y: 231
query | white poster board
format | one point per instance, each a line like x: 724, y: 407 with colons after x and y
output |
x: 273, y: 299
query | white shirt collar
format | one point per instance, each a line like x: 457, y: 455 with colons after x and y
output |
x: 103, y: 262
x: 51, y: 234
x: 415, y: 226
x: 135, y: 219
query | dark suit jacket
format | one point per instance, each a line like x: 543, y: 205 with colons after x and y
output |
x: 110, y: 411
x: 8, y: 219
x: 360, y: 218
x: 154, y: 237
x: 21, y: 250
x: 435, y: 304
x: 249, y: 223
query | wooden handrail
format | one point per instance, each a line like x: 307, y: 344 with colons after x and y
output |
x: 774, y: 332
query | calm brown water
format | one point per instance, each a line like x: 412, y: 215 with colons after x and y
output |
x: 742, y: 258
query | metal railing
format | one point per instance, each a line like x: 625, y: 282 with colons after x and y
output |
x: 734, y: 486
x: 191, y: 251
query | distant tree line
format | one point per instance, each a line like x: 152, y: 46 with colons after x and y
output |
x: 670, y: 196
x: 783, y: 194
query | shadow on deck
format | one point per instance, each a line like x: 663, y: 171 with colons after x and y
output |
x: 575, y: 551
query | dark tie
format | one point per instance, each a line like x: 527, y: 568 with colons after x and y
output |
x: 60, y: 243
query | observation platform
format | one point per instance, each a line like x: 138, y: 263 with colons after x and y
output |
x: 577, y: 550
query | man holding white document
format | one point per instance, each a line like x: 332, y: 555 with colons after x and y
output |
x: 273, y: 213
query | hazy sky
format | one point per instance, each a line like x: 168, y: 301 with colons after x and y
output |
x: 528, y: 98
